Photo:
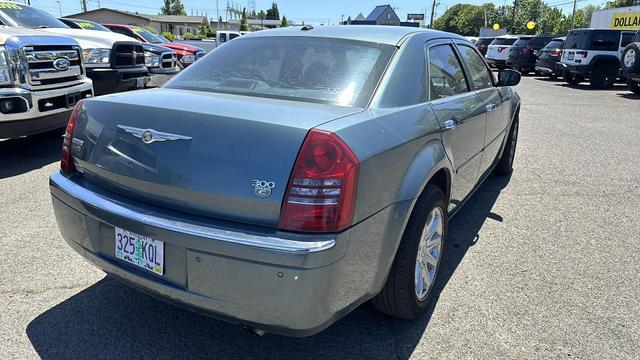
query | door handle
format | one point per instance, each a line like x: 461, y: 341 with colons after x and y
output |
x: 490, y: 107
x: 450, y: 124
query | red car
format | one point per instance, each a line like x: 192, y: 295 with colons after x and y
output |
x: 187, y: 54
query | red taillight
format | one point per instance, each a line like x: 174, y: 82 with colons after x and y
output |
x: 66, y: 162
x: 583, y: 54
x: 481, y: 47
x: 321, y: 194
x: 526, y: 50
x: 501, y: 49
x: 555, y: 53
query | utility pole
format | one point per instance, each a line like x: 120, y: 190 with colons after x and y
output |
x: 486, y: 23
x: 60, y: 8
x: 84, y: 6
x: 513, y: 17
x: 433, y: 12
x: 573, y: 16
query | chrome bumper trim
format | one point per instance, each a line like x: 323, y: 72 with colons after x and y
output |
x: 264, y: 242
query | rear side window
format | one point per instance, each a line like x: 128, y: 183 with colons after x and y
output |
x: 478, y: 71
x: 522, y: 42
x: 555, y: 44
x: 446, y: 77
x: 605, y: 40
x: 627, y: 38
x: 538, y: 42
x: 503, y: 41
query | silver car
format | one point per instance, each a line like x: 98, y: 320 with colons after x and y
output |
x: 290, y: 175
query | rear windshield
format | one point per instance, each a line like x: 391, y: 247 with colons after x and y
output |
x: 29, y: 17
x: 504, y: 41
x: 539, y: 41
x: 334, y: 71
x: 484, y: 41
x: 606, y: 40
x: 555, y: 44
x: 521, y: 42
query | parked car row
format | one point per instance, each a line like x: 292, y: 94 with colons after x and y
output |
x: 48, y: 64
x: 601, y: 56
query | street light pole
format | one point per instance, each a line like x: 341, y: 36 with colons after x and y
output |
x: 433, y: 12
x: 513, y: 16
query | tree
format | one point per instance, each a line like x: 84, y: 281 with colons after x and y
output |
x: 172, y: 7
x: 621, y: 3
x: 244, y: 24
x: 273, y: 13
x: 285, y: 22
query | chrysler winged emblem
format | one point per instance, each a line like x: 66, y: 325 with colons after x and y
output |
x: 149, y: 136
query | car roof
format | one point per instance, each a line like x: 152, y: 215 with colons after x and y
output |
x: 120, y: 25
x: 390, y: 35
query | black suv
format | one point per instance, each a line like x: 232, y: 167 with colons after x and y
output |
x: 594, y: 54
x: 524, y: 52
x: 547, y: 63
x: 483, y: 43
x: 631, y: 64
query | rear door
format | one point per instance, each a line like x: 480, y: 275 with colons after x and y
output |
x: 460, y: 113
x: 490, y: 100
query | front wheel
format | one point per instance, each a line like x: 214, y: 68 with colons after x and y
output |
x: 505, y: 164
x: 634, y: 86
x: 418, y: 262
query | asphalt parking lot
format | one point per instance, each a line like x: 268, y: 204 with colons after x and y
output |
x: 545, y: 265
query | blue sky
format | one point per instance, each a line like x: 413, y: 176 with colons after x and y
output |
x: 315, y: 12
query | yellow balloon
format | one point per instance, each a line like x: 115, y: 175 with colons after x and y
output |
x: 496, y: 27
x: 531, y: 25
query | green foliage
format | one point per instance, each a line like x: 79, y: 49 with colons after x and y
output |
x: 621, y: 3
x: 172, y: 7
x: 244, y: 24
x: 466, y: 19
x: 150, y: 29
x: 169, y: 36
x: 189, y: 36
x: 202, y: 36
x: 273, y: 13
x: 285, y: 22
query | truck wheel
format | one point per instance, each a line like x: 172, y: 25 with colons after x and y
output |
x: 634, y: 86
x: 631, y: 58
x: 418, y: 261
x: 505, y: 164
x: 603, y: 77
x: 571, y: 78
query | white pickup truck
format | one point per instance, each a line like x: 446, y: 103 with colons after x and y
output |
x: 42, y: 77
x: 114, y: 62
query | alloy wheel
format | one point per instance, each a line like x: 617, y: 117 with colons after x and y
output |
x: 429, y: 253
x: 630, y: 58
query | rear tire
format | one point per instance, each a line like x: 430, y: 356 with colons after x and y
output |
x: 505, y: 164
x: 603, y: 77
x: 634, y: 86
x: 399, y: 296
x: 631, y: 58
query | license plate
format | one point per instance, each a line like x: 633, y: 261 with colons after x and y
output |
x: 570, y: 56
x: 140, y: 250
x: 139, y: 83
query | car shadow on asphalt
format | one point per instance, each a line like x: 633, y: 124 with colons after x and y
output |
x: 109, y: 320
x: 24, y: 154
x: 587, y: 86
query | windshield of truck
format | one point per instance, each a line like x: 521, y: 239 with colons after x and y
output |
x: 28, y: 17
x: 332, y: 71
x: 148, y: 35
x: 88, y: 25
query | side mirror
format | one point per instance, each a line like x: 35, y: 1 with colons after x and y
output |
x: 508, y: 78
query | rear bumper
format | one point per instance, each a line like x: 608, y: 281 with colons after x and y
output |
x: 521, y: 63
x: 577, y: 69
x: 108, y: 81
x: 38, y: 118
x: 547, y: 67
x: 289, y: 284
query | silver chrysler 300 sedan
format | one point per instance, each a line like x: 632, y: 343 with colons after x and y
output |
x: 290, y: 175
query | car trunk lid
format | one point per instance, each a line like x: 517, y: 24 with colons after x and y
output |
x: 226, y: 156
